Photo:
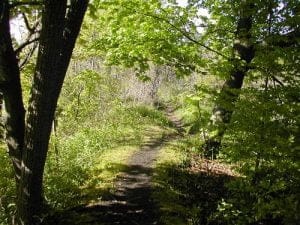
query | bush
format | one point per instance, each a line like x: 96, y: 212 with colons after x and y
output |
x: 262, y: 141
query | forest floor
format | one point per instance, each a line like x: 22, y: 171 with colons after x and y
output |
x: 131, y: 203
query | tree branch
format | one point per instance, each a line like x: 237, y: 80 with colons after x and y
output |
x: 27, y: 24
x: 30, y: 29
x: 26, y: 43
x: 16, y: 4
x: 277, y: 81
x: 184, y: 33
x: 22, y: 64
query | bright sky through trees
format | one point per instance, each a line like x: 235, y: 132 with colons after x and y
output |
x: 17, y: 28
x: 182, y: 2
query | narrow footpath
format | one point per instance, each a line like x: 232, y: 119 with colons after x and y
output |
x: 131, y: 203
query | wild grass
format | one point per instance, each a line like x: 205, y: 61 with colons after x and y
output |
x: 184, y: 196
x: 83, y: 163
x: 85, y: 158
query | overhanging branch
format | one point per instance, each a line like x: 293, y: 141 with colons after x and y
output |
x: 184, y: 33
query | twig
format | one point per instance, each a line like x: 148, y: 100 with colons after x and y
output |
x: 28, y: 56
x: 15, y: 4
x: 30, y: 29
x: 277, y: 81
x: 23, y: 45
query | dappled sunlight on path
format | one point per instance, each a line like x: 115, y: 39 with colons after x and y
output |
x: 131, y: 201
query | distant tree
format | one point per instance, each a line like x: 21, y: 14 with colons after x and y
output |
x: 28, y: 139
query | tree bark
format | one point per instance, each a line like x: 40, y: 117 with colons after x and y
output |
x: 243, y: 54
x: 60, y: 28
x: 10, y: 86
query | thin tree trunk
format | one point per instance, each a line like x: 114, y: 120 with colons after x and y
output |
x: 10, y: 86
x: 243, y: 54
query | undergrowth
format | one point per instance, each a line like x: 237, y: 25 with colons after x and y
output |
x: 185, y: 197
x: 81, y: 164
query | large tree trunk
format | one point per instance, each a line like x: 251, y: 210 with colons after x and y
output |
x: 244, y: 53
x: 60, y: 28
x: 42, y: 104
x: 10, y: 87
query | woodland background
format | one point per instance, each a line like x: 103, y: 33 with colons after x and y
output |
x: 230, y: 69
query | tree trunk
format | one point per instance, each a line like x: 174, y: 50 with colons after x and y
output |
x: 58, y: 36
x: 10, y: 87
x: 244, y: 53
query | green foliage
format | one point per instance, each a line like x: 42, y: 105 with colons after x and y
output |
x: 92, y: 124
x: 7, y: 188
x: 154, y: 115
x: 93, y: 119
x: 185, y: 196
x: 196, y: 109
x: 262, y: 141
x: 135, y: 33
x: 80, y: 152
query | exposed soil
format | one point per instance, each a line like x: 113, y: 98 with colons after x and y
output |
x: 131, y: 202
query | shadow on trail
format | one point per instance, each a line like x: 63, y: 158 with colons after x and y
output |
x: 131, y: 203
x: 189, y: 197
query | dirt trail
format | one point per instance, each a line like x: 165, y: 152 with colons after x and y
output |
x: 131, y: 204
